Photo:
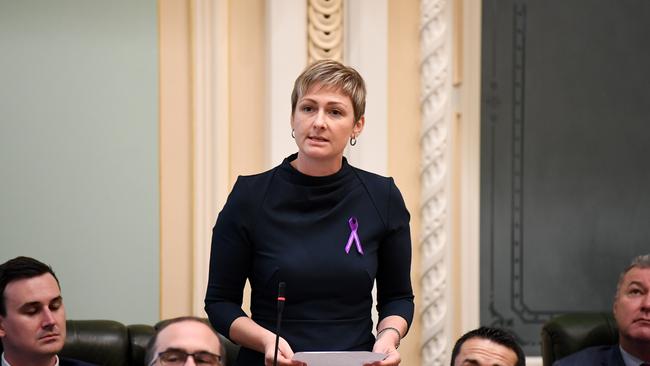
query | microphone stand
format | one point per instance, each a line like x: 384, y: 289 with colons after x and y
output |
x: 281, y: 299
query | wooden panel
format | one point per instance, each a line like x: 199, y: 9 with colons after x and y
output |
x: 565, y: 142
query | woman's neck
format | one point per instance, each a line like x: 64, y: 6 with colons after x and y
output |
x: 317, y: 168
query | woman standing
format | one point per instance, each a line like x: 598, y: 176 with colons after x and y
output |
x: 323, y: 227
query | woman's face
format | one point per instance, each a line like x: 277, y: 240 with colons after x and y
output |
x: 323, y: 123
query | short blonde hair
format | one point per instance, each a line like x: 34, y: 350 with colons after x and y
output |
x: 332, y: 74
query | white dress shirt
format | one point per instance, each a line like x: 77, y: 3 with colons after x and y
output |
x: 629, y: 359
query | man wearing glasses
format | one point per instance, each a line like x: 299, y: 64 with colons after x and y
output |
x: 180, y: 339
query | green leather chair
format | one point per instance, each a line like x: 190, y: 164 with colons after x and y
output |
x: 106, y: 342
x: 570, y: 333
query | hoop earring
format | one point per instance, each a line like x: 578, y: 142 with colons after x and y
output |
x: 353, y: 141
x: 293, y: 133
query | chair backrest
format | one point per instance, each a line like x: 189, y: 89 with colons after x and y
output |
x: 139, y: 335
x: 232, y: 350
x: 570, y: 333
x: 106, y: 342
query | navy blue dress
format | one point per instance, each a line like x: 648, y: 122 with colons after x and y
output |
x: 282, y: 225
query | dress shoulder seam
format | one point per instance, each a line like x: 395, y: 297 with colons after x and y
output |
x: 257, y: 187
x: 359, y: 173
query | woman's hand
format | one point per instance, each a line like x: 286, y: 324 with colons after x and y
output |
x: 284, y: 354
x: 386, y: 344
x: 250, y: 335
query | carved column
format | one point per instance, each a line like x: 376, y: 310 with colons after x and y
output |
x: 325, y: 30
x: 435, y: 96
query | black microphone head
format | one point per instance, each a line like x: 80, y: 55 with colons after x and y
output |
x: 281, y: 287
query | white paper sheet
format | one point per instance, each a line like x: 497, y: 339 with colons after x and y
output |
x: 356, y: 358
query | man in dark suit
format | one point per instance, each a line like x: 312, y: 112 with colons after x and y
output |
x: 487, y: 346
x: 32, y: 315
x: 632, y: 313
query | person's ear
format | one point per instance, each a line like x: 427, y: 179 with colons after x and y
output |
x: 3, y: 333
x: 358, y: 126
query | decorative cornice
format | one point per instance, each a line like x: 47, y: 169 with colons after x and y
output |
x: 325, y: 30
x: 436, y: 93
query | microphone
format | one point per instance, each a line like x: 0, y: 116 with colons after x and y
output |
x: 281, y: 287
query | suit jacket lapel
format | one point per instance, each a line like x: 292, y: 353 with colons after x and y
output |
x: 615, y: 357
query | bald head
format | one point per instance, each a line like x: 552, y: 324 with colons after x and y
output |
x: 189, y: 335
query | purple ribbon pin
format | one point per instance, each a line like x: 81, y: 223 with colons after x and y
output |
x: 354, y: 237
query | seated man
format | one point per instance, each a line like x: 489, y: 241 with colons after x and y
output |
x: 632, y: 314
x: 487, y: 347
x: 32, y: 315
x: 179, y: 338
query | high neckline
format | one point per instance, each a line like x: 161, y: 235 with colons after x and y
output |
x: 295, y: 176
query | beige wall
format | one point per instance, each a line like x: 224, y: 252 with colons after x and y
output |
x: 247, y: 92
x: 246, y: 117
x: 403, y: 135
x: 466, y: 166
x: 247, y: 87
x: 175, y: 158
